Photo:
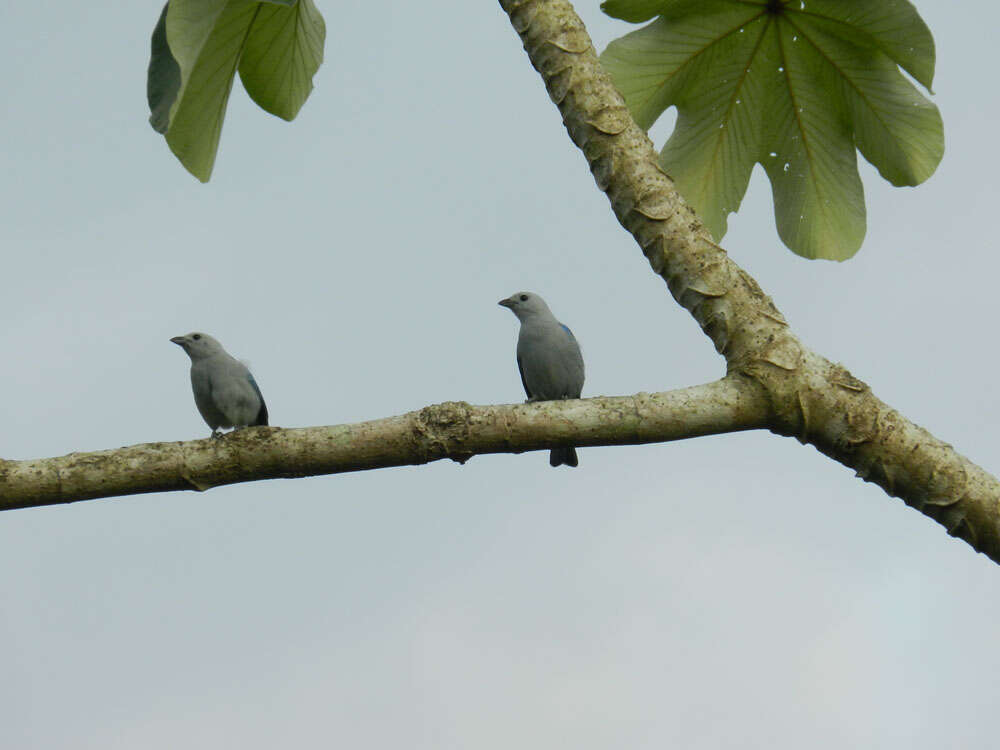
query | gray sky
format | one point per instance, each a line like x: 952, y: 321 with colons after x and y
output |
x: 729, y: 592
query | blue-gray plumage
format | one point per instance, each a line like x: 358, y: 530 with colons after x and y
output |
x: 548, y: 358
x: 224, y: 390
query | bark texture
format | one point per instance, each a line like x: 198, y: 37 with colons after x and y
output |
x: 810, y: 398
x: 454, y: 430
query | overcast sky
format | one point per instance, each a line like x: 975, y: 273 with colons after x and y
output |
x: 727, y: 592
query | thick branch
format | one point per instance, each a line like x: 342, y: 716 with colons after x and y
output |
x: 774, y: 381
x: 454, y: 430
x: 811, y: 398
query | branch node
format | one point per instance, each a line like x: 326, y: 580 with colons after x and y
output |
x: 195, y: 484
x: 610, y: 120
x: 571, y: 41
x: 442, y: 430
x: 522, y: 14
x: 558, y: 84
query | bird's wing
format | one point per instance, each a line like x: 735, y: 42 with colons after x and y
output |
x: 520, y: 369
x: 262, y: 414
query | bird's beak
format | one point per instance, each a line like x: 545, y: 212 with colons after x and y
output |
x: 179, y: 340
x: 508, y: 303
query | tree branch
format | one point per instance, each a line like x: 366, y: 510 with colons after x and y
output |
x: 454, y: 430
x: 773, y: 380
x: 812, y: 399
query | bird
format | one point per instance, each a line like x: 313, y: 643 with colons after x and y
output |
x: 224, y: 390
x: 548, y: 358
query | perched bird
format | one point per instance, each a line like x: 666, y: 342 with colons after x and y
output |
x: 548, y: 357
x: 224, y: 390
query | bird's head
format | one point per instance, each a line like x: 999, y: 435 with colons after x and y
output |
x: 525, y: 305
x: 198, y: 345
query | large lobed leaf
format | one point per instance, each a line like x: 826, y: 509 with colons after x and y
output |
x: 197, y: 47
x: 793, y: 86
x: 281, y: 55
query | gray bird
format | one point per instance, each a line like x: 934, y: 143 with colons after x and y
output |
x: 548, y: 358
x: 224, y: 390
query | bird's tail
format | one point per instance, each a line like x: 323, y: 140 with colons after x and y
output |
x: 563, y: 456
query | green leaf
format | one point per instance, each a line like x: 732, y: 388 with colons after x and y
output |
x: 163, y: 79
x: 633, y: 11
x: 895, y: 128
x: 793, y: 86
x: 894, y: 26
x: 206, y: 37
x: 197, y: 47
x: 283, y: 52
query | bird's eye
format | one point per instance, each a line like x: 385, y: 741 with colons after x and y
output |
x: 524, y: 298
x: 197, y: 337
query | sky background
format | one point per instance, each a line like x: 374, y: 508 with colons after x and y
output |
x: 726, y: 592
